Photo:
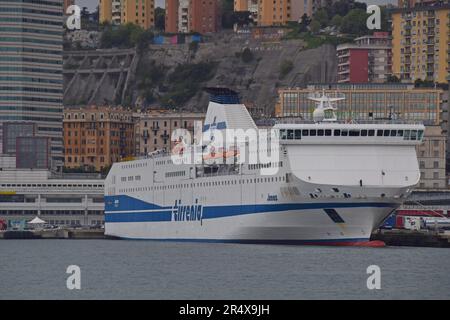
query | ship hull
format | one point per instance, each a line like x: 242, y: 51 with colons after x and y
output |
x: 309, y: 224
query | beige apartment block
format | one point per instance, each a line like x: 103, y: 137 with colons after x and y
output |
x: 153, y: 130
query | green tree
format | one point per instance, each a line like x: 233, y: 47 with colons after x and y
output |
x: 125, y: 36
x: 160, y: 19
x: 355, y: 22
x: 393, y: 79
x: 336, y: 21
x: 314, y: 26
x: 185, y: 82
x: 321, y: 16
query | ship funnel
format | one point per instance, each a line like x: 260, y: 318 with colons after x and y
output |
x: 225, y: 111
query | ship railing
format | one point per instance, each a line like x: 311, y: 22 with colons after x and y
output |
x: 377, y: 121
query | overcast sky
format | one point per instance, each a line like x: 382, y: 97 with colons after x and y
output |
x: 92, y: 4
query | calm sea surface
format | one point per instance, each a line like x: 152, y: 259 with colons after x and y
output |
x: 112, y: 269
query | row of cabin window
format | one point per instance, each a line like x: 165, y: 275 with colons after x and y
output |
x: 265, y: 165
x: 296, y: 134
x: 206, y: 184
x: 40, y: 185
x: 134, y: 165
x: 130, y: 178
x: 175, y: 174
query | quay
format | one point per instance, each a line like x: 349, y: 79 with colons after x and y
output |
x: 65, y: 233
x: 413, y: 238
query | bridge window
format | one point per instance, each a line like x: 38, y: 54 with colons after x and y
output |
x: 283, y: 134
x: 337, y: 132
x: 363, y: 133
x: 386, y: 133
x: 393, y: 133
x: 354, y: 133
x: 320, y: 132
x: 413, y: 134
x: 313, y: 133
x: 420, y: 135
x: 399, y: 133
x: 298, y: 134
x: 379, y: 133
x: 407, y: 134
x: 344, y: 133
x: 290, y: 134
x: 328, y: 132
x: 305, y: 133
x: 371, y: 133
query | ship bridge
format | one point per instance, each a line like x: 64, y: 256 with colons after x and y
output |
x: 350, y: 133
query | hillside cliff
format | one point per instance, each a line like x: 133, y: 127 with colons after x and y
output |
x: 173, y: 75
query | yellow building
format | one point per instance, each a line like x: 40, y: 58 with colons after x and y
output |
x: 240, y: 5
x: 368, y: 102
x: 279, y: 12
x: 105, y: 11
x: 139, y: 12
x: 420, y: 43
x: 273, y: 12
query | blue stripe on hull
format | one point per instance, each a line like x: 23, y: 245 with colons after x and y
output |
x: 215, y: 212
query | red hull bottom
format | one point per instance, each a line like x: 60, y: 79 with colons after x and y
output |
x: 370, y: 244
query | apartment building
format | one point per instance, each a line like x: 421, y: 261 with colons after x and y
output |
x: 420, y: 41
x: 139, y: 12
x: 368, y: 59
x: 187, y: 16
x: 279, y: 12
x: 154, y: 130
x: 413, y: 3
x: 171, y: 16
x: 96, y: 137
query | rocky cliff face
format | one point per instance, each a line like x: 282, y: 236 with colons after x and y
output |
x: 259, y: 79
x: 272, y: 65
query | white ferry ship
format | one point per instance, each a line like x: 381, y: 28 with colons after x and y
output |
x: 335, y: 183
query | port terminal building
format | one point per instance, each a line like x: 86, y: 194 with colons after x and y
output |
x: 58, y: 199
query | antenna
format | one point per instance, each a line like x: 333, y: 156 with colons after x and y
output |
x: 326, y: 107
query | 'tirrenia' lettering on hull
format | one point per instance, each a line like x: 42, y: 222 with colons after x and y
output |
x: 187, y: 212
